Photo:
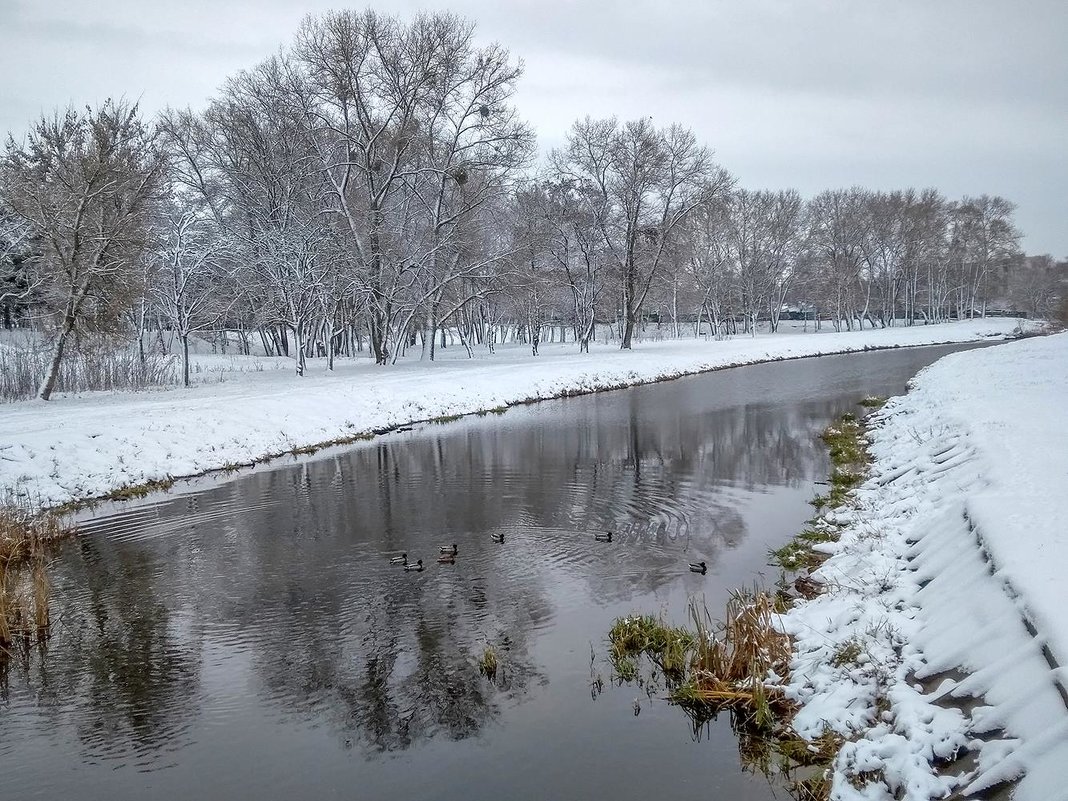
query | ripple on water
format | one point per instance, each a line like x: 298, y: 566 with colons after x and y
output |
x: 256, y: 629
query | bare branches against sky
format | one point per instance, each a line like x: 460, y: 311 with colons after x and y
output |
x: 966, y: 95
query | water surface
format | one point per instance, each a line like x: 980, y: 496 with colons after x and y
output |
x: 248, y: 638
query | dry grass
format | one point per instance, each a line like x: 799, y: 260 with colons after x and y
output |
x: 96, y: 366
x: 714, y: 666
x: 738, y: 666
x: 26, y: 538
x: 733, y: 660
x: 25, y: 532
x: 489, y: 663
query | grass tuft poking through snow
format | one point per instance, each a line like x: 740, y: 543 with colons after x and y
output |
x: 939, y: 632
x: 846, y: 441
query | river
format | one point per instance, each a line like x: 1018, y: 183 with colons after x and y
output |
x: 249, y: 638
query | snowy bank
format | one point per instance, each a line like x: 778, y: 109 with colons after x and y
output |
x: 76, y: 448
x: 949, y: 583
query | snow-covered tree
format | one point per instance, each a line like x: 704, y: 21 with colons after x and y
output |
x: 647, y: 182
x: 86, y: 183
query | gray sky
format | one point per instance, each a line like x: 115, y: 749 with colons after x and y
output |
x: 969, y: 96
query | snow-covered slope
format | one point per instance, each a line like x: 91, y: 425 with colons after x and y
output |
x: 81, y: 447
x: 953, y: 559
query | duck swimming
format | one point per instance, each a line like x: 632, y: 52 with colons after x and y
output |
x: 603, y: 537
x: 399, y: 560
x: 417, y: 566
x: 698, y: 567
x: 497, y: 537
x: 449, y: 549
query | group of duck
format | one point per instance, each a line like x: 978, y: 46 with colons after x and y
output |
x: 447, y: 554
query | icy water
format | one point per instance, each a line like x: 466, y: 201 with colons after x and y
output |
x: 250, y: 639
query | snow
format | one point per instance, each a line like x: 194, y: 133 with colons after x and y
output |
x: 246, y: 409
x: 949, y: 574
x: 946, y: 582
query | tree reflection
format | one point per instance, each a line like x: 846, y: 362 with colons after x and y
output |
x: 284, y: 574
x: 119, y: 670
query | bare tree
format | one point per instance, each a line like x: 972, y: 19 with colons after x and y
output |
x: 985, y: 236
x: 252, y: 163
x: 836, y: 227
x: 926, y: 258
x: 415, y: 134
x: 647, y: 182
x: 710, y: 266
x: 193, y: 291
x: 85, y: 183
x: 1037, y: 286
x: 366, y: 80
x: 568, y: 216
x: 764, y: 238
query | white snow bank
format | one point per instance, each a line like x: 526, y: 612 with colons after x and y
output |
x: 951, y: 570
x: 81, y: 447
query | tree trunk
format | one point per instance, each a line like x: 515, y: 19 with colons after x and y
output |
x: 298, y: 347
x: 185, y: 359
x: 49, y: 382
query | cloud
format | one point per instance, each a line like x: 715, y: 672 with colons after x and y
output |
x: 967, y: 96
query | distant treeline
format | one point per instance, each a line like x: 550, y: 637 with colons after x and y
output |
x: 373, y: 184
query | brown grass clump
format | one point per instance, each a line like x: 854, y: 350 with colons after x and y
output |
x: 489, y: 663
x: 26, y: 538
x: 732, y: 662
x: 739, y: 666
x: 714, y: 666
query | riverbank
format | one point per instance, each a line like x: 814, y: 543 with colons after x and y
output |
x: 939, y: 647
x: 78, y: 448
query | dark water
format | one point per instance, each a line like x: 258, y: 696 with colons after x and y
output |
x: 249, y: 639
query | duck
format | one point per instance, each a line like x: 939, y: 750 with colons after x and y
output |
x: 447, y: 558
x: 416, y: 566
x: 499, y: 537
x: 603, y: 537
x: 450, y: 549
x: 698, y: 567
x: 399, y: 560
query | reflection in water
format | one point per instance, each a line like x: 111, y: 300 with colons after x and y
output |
x: 254, y: 631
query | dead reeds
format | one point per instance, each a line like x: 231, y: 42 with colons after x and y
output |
x: 738, y: 665
x: 489, y: 663
x: 733, y: 660
x: 26, y: 538
x: 714, y: 666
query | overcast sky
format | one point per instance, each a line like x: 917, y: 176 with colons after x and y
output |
x: 969, y: 96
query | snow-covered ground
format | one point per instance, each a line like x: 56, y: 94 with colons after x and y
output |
x: 245, y: 409
x: 951, y: 572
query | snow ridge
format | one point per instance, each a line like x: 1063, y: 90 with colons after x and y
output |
x: 945, y: 582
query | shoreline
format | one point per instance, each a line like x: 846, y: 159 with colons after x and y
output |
x: 75, y: 452
x: 138, y: 491
x: 942, y: 590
